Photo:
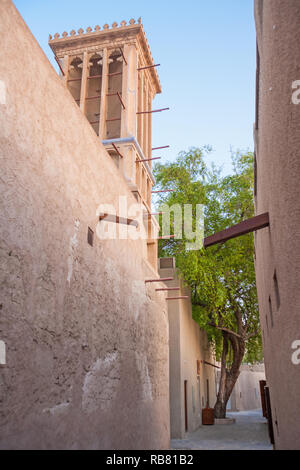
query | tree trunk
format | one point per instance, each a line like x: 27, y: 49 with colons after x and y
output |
x: 220, y: 406
x: 228, y: 378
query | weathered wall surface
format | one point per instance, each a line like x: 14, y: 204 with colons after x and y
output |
x: 278, y: 192
x: 246, y: 392
x: 87, y: 342
x: 188, y: 344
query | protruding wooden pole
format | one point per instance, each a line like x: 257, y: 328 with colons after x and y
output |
x: 164, y: 191
x: 148, y: 159
x: 247, y: 226
x: 116, y: 149
x: 178, y: 298
x: 168, y: 288
x: 210, y: 364
x: 148, y: 67
x: 118, y: 220
x: 163, y: 279
x: 59, y: 64
x: 153, y: 111
x: 124, y: 58
x: 166, y: 237
x: 164, y: 147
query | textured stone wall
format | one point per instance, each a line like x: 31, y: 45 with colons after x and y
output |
x: 86, y: 340
x: 278, y: 192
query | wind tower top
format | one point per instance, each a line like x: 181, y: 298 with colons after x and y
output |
x: 111, y: 74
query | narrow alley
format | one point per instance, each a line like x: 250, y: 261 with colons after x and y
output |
x: 249, y: 432
x: 149, y: 242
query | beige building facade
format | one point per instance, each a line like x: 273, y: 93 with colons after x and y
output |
x: 192, y: 371
x: 277, y: 191
x: 246, y: 393
x: 86, y: 339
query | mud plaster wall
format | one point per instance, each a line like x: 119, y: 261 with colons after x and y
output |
x: 188, y: 344
x: 278, y: 192
x: 87, y: 347
x: 246, y: 392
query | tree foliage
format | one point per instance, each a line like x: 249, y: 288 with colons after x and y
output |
x: 222, y: 277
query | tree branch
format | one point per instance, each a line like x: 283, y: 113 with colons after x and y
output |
x: 226, y: 329
x: 255, y: 333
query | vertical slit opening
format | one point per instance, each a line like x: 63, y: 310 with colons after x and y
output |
x: 276, y: 288
x: 255, y: 175
x: 114, y: 106
x: 93, y: 91
x: 90, y: 236
x: 257, y: 88
x: 74, y: 78
x: 139, y: 108
x: 271, y: 311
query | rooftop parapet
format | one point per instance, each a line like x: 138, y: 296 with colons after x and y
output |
x: 122, y: 32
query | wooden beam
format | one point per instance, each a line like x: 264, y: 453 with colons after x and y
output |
x: 148, y: 67
x: 114, y: 146
x: 93, y: 97
x: 121, y: 50
x: 163, y: 191
x: 163, y: 147
x: 210, y: 364
x: 162, y: 279
x: 247, y: 226
x: 114, y: 73
x: 118, y: 220
x: 153, y: 111
x: 120, y: 98
x: 148, y: 159
x: 168, y: 288
x: 153, y: 213
x: 177, y: 298
x: 166, y: 237
x: 59, y: 64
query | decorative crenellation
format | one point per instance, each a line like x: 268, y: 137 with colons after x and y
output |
x: 59, y: 43
x: 97, y: 28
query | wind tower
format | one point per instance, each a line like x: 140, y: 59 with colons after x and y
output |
x: 111, y: 74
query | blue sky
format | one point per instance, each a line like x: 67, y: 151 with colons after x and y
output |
x: 206, y: 49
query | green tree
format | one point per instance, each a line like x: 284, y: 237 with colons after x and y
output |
x: 222, y: 277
